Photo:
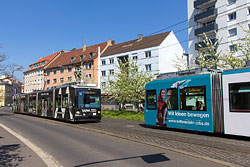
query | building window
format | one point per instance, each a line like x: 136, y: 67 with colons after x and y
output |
x: 81, y: 57
x: 90, y: 65
x: 69, y: 79
x: 111, y: 61
x: 249, y: 26
x: 91, y: 54
x: 54, y: 81
x: 61, y: 80
x: 69, y: 69
x: 111, y: 72
x: 148, y: 54
x: 239, y: 97
x: 230, y: 2
x: 48, y: 72
x: 48, y: 81
x: 54, y: 71
x: 249, y: 10
x: 86, y: 66
x: 103, y: 73
x: 148, y: 67
x: 135, y: 58
x: 232, y: 32
x: 232, y: 48
x: 103, y: 62
x: 86, y: 75
x: 103, y: 84
x: 90, y: 75
x: 232, y: 16
x: 72, y: 59
x: 62, y: 70
x: 193, y: 98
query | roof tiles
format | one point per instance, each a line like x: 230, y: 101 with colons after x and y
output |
x: 145, y: 42
x: 65, y: 58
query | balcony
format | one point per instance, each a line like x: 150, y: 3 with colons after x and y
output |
x: 197, y: 47
x: 206, y: 29
x: 199, y: 4
x: 206, y: 16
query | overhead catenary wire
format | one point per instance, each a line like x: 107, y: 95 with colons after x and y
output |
x: 185, y: 29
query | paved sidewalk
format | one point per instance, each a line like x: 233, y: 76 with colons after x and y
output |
x: 15, y: 153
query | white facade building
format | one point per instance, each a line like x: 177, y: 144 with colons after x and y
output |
x: 153, y: 53
x: 220, y: 20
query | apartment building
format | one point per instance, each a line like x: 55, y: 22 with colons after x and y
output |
x: 34, y: 76
x: 8, y: 88
x: 220, y: 20
x: 84, y: 62
x: 154, y: 54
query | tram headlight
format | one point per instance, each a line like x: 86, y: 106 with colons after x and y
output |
x: 99, y: 112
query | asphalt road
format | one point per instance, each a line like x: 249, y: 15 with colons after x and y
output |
x: 78, y: 147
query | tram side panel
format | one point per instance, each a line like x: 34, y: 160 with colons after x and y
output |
x: 236, y: 97
x: 189, y: 107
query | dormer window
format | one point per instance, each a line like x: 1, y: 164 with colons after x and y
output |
x: 91, y: 54
x: 72, y: 59
x: 81, y: 57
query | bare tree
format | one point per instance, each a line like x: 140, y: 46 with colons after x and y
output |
x: 9, y: 69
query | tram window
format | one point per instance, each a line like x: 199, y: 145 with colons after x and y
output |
x: 193, y: 98
x: 92, y: 101
x: 58, y: 101
x: 65, y: 100
x: 173, y: 101
x: 151, y: 99
x: 88, y: 100
x: 239, y: 97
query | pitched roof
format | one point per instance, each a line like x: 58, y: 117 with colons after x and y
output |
x: 145, y: 42
x: 47, y: 60
x: 65, y: 58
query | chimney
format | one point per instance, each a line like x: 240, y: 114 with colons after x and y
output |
x: 139, y: 37
x: 83, y: 47
x: 109, y: 42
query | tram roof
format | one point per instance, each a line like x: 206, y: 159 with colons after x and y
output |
x: 192, y: 72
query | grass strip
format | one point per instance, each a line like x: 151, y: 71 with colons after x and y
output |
x: 126, y: 115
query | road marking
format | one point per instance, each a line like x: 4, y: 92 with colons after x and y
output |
x: 49, y: 160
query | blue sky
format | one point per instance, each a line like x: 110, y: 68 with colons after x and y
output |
x: 31, y: 29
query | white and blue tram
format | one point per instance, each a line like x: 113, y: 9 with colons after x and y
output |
x: 69, y: 103
x: 201, y: 100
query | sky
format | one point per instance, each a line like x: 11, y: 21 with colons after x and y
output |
x: 32, y: 29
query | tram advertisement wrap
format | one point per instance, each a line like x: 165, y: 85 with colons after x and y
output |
x: 183, y: 103
x: 189, y: 120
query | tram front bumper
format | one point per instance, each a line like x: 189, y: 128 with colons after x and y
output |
x: 88, y: 117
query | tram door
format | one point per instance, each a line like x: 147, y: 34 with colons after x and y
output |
x: 32, y: 104
x: 58, y: 103
x: 62, y: 98
x: 45, y: 104
x: 23, y: 104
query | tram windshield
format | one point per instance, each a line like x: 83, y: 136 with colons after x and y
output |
x: 88, y: 99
